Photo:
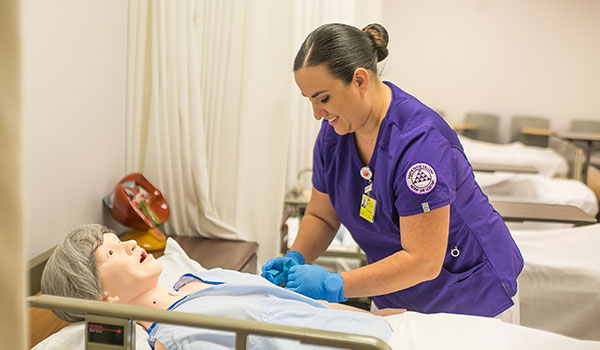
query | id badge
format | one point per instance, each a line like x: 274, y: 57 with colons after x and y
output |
x: 367, y: 208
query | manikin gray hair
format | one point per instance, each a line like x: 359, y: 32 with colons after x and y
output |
x: 71, y: 270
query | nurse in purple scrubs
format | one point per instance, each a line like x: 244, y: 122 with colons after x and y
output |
x: 395, y: 174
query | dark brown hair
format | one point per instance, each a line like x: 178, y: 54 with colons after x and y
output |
x: 343, y: 48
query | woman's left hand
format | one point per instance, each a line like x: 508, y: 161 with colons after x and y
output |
x: 316, y: 282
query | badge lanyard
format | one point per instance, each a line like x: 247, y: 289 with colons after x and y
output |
x: 367, y: 203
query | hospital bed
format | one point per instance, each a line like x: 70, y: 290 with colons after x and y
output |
x: 536, y: 188
x: 492, y: 168
x: 411, y: 330
x: 241, y: 328
x: 559, y: 288
x: 540, y: 212
x: 547, y: 161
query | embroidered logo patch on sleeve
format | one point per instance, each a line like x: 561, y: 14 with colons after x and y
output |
x: 421, y: 178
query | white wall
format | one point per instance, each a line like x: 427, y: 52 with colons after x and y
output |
x: 535, y: 57
x: 74, y: 61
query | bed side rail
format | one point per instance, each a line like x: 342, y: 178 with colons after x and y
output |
x: 574, y: 155
x: 242, y: 328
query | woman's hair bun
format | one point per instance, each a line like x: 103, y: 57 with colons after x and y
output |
x: 379, y: 38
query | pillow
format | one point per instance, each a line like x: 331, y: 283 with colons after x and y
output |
x: 72, y: 337
x: 69, y: 337
x: 175, y: 263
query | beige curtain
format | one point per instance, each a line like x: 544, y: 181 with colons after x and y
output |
x: 165, y: 130
x: 207, y: 96
x: 12, y: 263
x: 212, y: 106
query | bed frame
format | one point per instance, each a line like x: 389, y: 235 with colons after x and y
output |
x: 574, y: 155
x: 242, y: 328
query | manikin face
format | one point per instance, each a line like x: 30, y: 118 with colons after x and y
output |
x: 126, y: 270
x: 345, y: 107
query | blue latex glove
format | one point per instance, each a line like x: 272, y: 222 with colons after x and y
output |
x: 316, y: 282
x: 276, y: 269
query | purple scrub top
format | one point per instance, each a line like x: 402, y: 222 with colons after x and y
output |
x: 419, y: 164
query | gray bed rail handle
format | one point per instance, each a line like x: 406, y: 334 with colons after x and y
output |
x: 242, y: 328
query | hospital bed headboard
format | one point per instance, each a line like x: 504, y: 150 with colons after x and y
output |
x: 593, y: 180
x: 42, y: 322
x: 35, y: 267
x: 242, y: 328
x: 574, y: 155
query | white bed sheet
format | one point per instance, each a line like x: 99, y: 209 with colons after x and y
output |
x: 417, y: 331
x: 559, y: 288
x: 411, y: 330
x: 547, y: 161
x: 536, y: 188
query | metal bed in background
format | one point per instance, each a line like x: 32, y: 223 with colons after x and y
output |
x: 547, y: 161
x: 538, y: 189
x: 294, y: 208
x: 541, y: 212
x: 491, y: 168
x: 587, y: 138
x: 558, y: 287
x: 294, y: 205
x: 574, y: 155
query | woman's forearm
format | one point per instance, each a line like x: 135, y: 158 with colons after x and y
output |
x: 424, y: 241
x: 396, y: 272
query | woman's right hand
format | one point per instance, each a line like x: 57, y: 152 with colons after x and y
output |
x: 276, y: 269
